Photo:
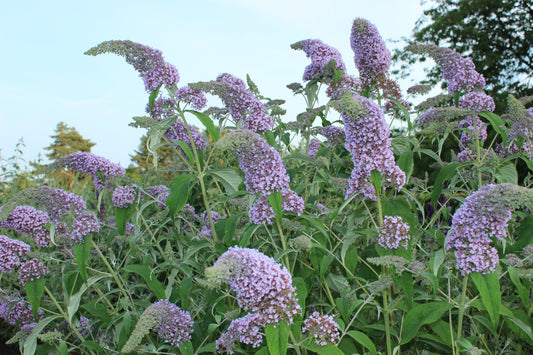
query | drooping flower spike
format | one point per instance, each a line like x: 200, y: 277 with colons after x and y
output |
x: 324, y: 60
x: 147, y: 61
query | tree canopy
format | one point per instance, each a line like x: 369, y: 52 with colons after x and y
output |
x: 496, y: 34
x: 67, y: 140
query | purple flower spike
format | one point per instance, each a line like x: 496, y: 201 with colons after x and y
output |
x: 314, y: 145
x: 12, y: 253
x: 190, y: 96
x: 32, y: 270
x: 31, y: 222
x: 322, y: 328
x: 245, y: 108
x: 147, y: 61
x: 91, y: 164
x: 159, y: 192
x: 368, y: 140
x: 321, y: 67
x: 124, y: 196
x: 484, y: 215
x: 247, y: 330
x: 262, y: 285
x: 394, y: 232
x: 371, y: 56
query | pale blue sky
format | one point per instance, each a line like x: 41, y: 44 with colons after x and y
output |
x: 45, y: 78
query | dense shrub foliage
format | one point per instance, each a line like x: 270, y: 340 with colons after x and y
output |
x: 361, y: 226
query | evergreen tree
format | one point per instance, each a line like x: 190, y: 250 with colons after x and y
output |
x: 67, y: 140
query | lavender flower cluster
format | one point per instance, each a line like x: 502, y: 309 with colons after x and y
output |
x: 264, y: 173
x: 263, y: 287
x: 322, y: 328
x: 484, y: 215
x: 371, y: 56
x: 393, y: 233
x: 244, y: 106
x: 91, y: 164
x: 30, y: 222
x: 314, y: 145
x: 247, y: 330
x: 123, y: 196
x: 166, y: 319
x: 12, y: 253
x: 18, y: 313
x: 368, y: 140
x: 147, y: 61
x: 32, y: 270
x: 324, y: 60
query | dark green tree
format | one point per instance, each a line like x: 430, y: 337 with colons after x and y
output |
x: 496, y: 34
x: 67, y: 140
x: 167, y: 156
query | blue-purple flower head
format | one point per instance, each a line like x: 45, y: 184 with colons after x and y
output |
x: 248, y: 330
x: 245, y: 108
x: 322, y: 328
x: 32, y: 270
x: 18, y: 312
x: 393, y: 233
x: 324, y: 60
x: 92, y: 165
x: 124, y: 196
x: 262, y: 285
x: 12, y: 253
x: 460, y: 72
x: 368, y: 140
x: 190, y: 96
x: 371, y: 56
x: 147, y: 61
x: 30, y: 222
x: 483, y: 216
x: 314, y: 145
x: 167, y: 320
x: 262, y: 165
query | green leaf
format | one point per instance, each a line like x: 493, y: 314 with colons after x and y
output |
x: 34, y: 292
x: 405, y: 280
x: 185, y: 290
x: 270, y: 138
x: 125, y: 330
x: 364, y: 340
x: 82, y: 252
x: 30, y: 343
x: 497, y: 123
x: 92, y: 345
x: 301, y: 290
x: 229, y: 229
x: 277, y: 338
x: 507, y: 173
x: 445, y: 174
x: 122, y: 215
x: 346, y: 305
x: 207, y: 122
x: 74, y: 301
x: 405, y: 162
x: 375, y: 177
x: 179, y: 193
x: 524, y: 234
x: 247, y: 234
x: 230, y: 179
x: 523, y: 290
x: 146, y: 274
x: 329, y: 349
x: 275, y: 202
x: 153, y: 95
x: 186, y: 348
x: 489, y: 289
x: 97, y: 310
x: 186, y: 149
x: 421, y: 314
